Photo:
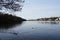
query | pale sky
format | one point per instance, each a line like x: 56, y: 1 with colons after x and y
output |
x: 40, y: 8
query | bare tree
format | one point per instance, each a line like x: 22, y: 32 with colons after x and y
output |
x: 11, y: 5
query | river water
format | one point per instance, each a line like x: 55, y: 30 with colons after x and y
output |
x: 31, y: 30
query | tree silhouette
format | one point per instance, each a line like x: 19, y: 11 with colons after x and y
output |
x: 12, y: 5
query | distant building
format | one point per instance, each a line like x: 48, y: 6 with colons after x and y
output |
x: 59, y: 18
x: 56, y: 19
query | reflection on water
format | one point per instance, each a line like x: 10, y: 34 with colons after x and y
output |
x: 5, y: 27
x: 31, y: 30
x: 49, y: 22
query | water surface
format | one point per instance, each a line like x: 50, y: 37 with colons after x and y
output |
x: 31, y: 30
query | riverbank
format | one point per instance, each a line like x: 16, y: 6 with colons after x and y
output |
x: 46, y: 19
x: 6, y: 18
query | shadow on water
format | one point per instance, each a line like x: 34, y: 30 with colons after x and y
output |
x: 7, y: 26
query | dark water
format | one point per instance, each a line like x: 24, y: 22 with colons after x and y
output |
x: 31, y: 30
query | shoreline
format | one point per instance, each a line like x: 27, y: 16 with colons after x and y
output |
x: 10, y: 19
